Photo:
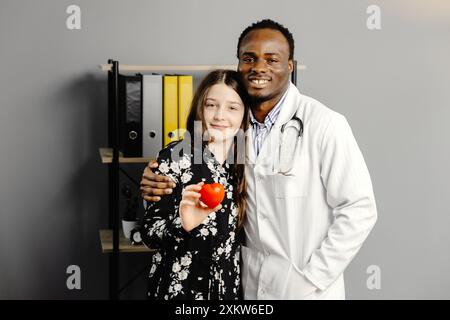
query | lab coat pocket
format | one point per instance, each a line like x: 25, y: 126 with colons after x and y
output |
x: 288, y: 186
x: 297, y: 286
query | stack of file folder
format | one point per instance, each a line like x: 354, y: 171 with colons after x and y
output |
x: 153, y: 110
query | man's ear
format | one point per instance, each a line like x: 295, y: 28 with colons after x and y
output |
x: 291, y: 65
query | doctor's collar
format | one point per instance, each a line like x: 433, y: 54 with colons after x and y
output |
x: 273, y: 113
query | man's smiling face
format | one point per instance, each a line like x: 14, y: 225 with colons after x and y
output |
x: 264, y: 64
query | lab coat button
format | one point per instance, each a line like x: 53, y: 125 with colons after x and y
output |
x: 262, y: 291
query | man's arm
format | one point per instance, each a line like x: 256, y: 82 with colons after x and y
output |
x: 349, y: 192
x: 153, y: 186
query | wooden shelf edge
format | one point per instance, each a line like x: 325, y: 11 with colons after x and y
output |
x: 124, y: 243
x: 128, y: 67
x: 106, y: 156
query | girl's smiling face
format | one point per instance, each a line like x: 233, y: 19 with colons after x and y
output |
x: 223, y: 111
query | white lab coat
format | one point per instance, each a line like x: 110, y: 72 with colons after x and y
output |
x: 305, y: 226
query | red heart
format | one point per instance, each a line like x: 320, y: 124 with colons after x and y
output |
x: 212, y: 194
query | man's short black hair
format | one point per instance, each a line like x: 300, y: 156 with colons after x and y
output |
x: 269, y: 24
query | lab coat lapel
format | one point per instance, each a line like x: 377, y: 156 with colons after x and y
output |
x: 269, y: 153
x: 289, y: 107
x: 251, y: 153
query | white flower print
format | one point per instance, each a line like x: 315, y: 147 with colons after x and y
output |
x: 185, y: 261
x: 223, y: 181
x: 183, y: 275
x: 231, y: 219
x: 180, y: 269
x: 237, y: 281
x: 230, y: 195
x: 175, y: 289
x: 153, y: 269
x: 210, y: 165
x: 163, y: 167
x: 176, y: 267
x: 204, y: 232
x: 158, y: 228
x: 186, y: 177
x: 157, y: 257
x: 216, y: 176
x: 199, y: 296
x: 175, y: 167
x: 185, y: 162
x: 177, y: 222
x: 236, y: 258
x: 178, y: 239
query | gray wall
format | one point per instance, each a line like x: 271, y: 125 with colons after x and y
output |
x: 390, y: 84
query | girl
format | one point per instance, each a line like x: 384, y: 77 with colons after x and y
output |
x: 198, y: 256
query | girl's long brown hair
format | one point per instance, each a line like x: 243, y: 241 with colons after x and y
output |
x: 231, y: 79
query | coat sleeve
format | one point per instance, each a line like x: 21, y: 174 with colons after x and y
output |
x: 161, y: 225
x: 349, y: 193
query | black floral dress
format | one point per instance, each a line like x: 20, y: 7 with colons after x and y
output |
x: 202, y: 264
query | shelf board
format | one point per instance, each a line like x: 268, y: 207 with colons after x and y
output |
x: 129, y: 67
x: 106, y: 155
x: 124, y: 243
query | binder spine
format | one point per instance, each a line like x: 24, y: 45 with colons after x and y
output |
x: 130, y: 105
x: 152, y: 106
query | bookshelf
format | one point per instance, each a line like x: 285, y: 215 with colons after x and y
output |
x: 124, y: 244
x: 112, y: 239
x: 106, y: 154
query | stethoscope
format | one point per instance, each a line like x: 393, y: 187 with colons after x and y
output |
x: 290, y: 131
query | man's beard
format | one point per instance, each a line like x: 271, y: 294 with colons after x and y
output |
x: 259, y: 99
x: 255, y: 100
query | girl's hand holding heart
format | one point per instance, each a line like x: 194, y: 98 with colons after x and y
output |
x: 192, y: 211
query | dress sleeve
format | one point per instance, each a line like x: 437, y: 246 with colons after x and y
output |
x: 161, y: 225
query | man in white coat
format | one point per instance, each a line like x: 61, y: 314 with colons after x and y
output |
x: 310, y: 202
